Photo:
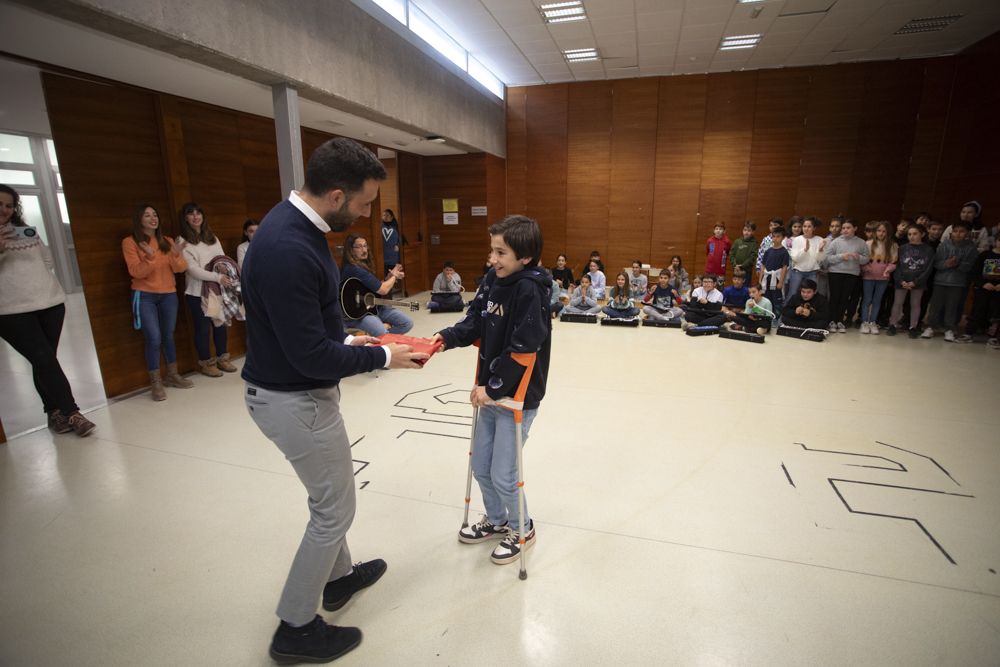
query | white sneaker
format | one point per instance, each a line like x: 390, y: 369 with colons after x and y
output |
x: 864, y: 328
x: 833, y: 327
x: 928, y: 333
x: 949, y: 336
x: 964, y: 338
x: 873, y: 329
x: 841, y: 328
x: 509, y: 550
x: 993, y: 343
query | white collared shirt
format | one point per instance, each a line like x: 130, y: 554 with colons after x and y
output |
x: 295, y: 200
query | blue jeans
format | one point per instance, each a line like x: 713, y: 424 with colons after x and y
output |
x: 794, y: 282
x: 375, y: 325
x: 202, y: 324
x: 158, y: 316
x: 494, y: 463
x: 874, y: 290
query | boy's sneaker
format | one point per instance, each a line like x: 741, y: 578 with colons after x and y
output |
x: 59, y: 422
x: 964, y: 338
x: 993, y: 343
x: 313, y: 642
x: 762, y: 331
x: 841, y: 328
x: 949, y: 336
x: 913, y: 333
x: 891, y: 331
x: 481, y: 531
x: 833, y: 327
x: 80, y: 424
x: 509, y: 550
x: 685, y: 325
x: 728, y: 326
x: 864, y: 328
x: 928, y: 333
x: 337, y: 592
x: 873, y: 329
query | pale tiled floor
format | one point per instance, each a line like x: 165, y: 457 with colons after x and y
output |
x: 661, y: 479
x: 20, y: 407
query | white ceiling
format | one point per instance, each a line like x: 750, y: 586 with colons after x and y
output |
x: 662, y: 37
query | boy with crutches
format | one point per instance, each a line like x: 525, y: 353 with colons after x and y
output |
x: 509, y: 317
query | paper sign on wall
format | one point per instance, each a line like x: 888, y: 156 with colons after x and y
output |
x: 451, y: 218
x: 479, y: 211
x: 449, y: 205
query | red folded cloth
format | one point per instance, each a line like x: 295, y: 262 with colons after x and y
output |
x: 418, y: 344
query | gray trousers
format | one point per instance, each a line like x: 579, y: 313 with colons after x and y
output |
x: 309, y: 430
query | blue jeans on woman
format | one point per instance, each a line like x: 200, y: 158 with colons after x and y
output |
x: 874, y: 290
x: 374, y: 325
x: 494, y: 463
x: 795, y: 278
x: 157, y: 318
x: 202, y: 324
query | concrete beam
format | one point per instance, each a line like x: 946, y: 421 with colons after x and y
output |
x: 289, y: 136
x: 330, y: 51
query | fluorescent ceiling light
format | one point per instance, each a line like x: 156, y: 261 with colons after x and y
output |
x: 739, y: 42
x: 559, y: 12
x: 929, y: 24
x: 747, y: 2
x: 581, y: 55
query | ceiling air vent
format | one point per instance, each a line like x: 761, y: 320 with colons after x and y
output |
x: 929, y: 24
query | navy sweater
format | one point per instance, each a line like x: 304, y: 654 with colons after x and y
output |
x: 291, y: 289
x: 508, y: 315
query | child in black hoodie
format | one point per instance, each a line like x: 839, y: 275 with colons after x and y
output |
x: 509, y: 317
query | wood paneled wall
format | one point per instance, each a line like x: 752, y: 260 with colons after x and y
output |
x: 644, y: 168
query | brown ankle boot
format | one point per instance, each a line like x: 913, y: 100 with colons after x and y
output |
x: 156, y: 385
x: 224, y: 364
x: 175, y: 379
x: 208, y: 367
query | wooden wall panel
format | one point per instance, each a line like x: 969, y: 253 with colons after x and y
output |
x: 836, y: 94
x: 729, y: 119
x: 110, y: 160
x: 633, y: 165
x: 412, y: 223
x: 517, y: 150
x: 885, y: 139
x: 588, y: 174
x: 932, y: 118
x: 779, y: 122
x: 680, y: 138
x: 546, y: 109
x: 259, y: 158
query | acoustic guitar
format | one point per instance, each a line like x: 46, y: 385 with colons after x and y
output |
x: 356, y: 300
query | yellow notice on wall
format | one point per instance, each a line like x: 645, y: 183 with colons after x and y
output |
x: 449, y: 205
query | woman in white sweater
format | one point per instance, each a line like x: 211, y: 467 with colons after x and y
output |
x: 32, y: 310
x: 806, y: 254
x: 199, y: 247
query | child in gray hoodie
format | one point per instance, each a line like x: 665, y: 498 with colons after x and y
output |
x: 844, y: 257
x: 953, y: 261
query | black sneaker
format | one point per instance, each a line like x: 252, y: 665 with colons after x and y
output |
x: 336, y: 593
x: 315, y: 642
x: 891, y: 331
x: 914, y: 333
x: 509, y: 550
x: 481, y: 531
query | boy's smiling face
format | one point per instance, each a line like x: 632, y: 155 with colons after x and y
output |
x: 505, y: 262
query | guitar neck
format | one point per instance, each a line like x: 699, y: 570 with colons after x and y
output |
x: 393, y: 303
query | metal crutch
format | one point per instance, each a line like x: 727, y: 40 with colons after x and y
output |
x: 468, y: 478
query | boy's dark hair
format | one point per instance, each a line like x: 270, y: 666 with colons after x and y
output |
x: 908, y: 221
x: 808, y: 283
x: 780, y: 229
x: 742, y: 275
x: 776, y: 221
x: 719, y: 224
x: 522, y: 234
x: 595, y: 253
x: 341, y: 164
x: 709, y: 276
x: 935, y: 222
x: 838, y: 218
x: 749, y: 224
x: 755, y: 286
x: 850, y: 221
x: 637, y: 261
x: 963, y: 224
x: 449, y: 265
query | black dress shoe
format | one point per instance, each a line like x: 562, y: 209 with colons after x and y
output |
x: 315, y: 642
x: 336, y: 593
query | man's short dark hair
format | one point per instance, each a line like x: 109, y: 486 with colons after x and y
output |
x: 341, y: 164
x: 449, y: 265
x: 808, y: 283
x: 963, y: 224
x: 522, y: 234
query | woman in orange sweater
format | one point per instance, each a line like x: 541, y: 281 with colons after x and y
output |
x: 152, y: 262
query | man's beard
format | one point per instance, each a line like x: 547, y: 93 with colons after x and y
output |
x: 340, y: 219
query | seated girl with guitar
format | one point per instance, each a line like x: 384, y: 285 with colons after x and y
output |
x: 358, y: 281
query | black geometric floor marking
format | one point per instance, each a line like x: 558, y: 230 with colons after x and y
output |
x: 426, y: 412
x: 900, y: 468
x: 399, y: 403
x: 443, y: 435
x: 364, y: 464
x: 787, y: 475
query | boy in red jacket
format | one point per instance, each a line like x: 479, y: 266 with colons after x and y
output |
x: 717, y: 251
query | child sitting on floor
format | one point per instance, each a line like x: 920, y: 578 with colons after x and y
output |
x: 807, y: 309
x: 695, y: 284
x: 757, y: 314
x: 620, y: 304
x: 705, y: 308
x: 446, y: 294
x: 736, y: 295
x: 583, y: 302
x: 661, y: 303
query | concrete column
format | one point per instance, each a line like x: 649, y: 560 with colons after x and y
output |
x: 286, y: 127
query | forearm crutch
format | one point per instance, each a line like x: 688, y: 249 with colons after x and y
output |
x: 516, y: 405
x: 468, y: 477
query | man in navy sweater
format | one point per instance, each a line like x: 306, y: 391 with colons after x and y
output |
x: 297, y: 352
